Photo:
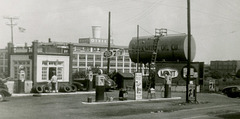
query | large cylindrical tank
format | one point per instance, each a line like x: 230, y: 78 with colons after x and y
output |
x: 96, y: 31
x: 169, y: 48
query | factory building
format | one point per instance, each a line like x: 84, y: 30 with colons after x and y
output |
x: 225, y: 67
x: 40, y: 59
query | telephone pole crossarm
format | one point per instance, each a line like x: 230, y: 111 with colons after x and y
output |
x: 11, y: 24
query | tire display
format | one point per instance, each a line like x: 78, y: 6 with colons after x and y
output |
x: 65, y: 88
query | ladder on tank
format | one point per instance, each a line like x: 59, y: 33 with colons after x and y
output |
x: 158, y: 33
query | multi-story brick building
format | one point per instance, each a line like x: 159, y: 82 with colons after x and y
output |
x: 225, y: 67
x: 3, y: 61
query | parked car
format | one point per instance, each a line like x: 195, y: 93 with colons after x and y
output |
x: 109, y: 83
x: 3, y: 89
x: 231, y: 91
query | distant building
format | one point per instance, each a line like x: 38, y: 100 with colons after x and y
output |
x: 3, y: 61
x: 89, y: 52
x: 225, y: 67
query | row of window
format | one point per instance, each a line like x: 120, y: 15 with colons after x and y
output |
x: 83, y: 57
x: 104, y: 64
x: 4, y: 62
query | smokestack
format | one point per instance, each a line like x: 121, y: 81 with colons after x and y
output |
x: 96, y: 30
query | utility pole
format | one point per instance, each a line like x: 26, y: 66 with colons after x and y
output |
x: 137, y: 48
x: 189, y: 49
x: 109, y: 39
x: 11, y: 24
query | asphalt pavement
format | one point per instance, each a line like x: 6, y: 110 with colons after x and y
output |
x: 71, y: 106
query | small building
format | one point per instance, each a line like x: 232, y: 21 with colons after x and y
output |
x: 39, y: 61
x: 124, y: 80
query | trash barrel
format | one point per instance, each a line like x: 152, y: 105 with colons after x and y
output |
x: 123, y: 94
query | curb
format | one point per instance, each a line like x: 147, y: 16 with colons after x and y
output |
x: 126, y: 101
x: 40, y: 94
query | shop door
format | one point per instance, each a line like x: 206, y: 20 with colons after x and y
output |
x: 51, y: 70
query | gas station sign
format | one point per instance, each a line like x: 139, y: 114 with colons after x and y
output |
x: 173, y: 72
x: 193, y: 72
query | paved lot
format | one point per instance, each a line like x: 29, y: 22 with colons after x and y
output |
x: 70, y: 106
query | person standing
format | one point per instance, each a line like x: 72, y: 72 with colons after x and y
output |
x: 54, y: 82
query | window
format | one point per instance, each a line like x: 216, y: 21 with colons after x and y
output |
x: 90, y: 57
x: 126, y: 70
x: 113, y: 64
x: 81, y: 63
x: 120, y: 64
x: 90, y: 64
x: 60, y: 73
x: 82, y: 57
x: 44, y: 73
x: 126, y: 64
x: 98, y: 57
x: 75, y: 56
x: 133, y: 65
x: 97, y: 64
x: 74, y: 63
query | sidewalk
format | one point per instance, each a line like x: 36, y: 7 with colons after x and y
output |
x: 59, y: 93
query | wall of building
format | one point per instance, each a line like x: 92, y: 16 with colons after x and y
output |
x: 3, y: 61
x: 83, y: 60
x: 225, y: 66
x: 20, y: 60
x: 45, y: 62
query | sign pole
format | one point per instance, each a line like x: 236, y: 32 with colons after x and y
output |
x: 189, y: 49
x: 137, y: 48
x: 109, y: 37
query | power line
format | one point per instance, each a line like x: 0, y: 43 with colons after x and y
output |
x: 11, y: 24
x: 146, y: 31
x: 174, y: 31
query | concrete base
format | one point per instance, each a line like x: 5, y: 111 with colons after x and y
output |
x: 143, y: 100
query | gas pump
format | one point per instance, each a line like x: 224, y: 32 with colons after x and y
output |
x: 90, y: 81
x: 100, y: 87
x: 21, y: 80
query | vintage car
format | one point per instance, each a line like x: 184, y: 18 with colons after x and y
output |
x: 231, y: 91
x: 3, y: 89
x: 109, y: 83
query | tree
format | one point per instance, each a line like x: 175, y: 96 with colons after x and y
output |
x: 238, y: 74
x: 216, y: 74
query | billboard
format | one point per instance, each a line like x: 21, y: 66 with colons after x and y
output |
x: 138, y: 86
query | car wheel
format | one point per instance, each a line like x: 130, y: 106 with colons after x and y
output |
x: 2, y: 97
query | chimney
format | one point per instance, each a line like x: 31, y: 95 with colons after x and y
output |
x: 96, y: 30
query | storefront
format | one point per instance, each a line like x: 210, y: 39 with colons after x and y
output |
x: 36, y: 64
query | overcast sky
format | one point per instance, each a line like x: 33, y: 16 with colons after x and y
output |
x: 215, y: 23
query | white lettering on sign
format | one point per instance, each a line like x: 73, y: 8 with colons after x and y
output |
x: 172, y: 72
x: 192, y: 73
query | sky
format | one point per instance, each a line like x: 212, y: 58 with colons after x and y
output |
x: 215, y: 24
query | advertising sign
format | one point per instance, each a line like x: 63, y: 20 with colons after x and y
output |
x: 211, y: 85
x: 191, y: 92
x: 173, y: 72
x: 108, y: 54
x: 138, y: 86
x: 193, y: 72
